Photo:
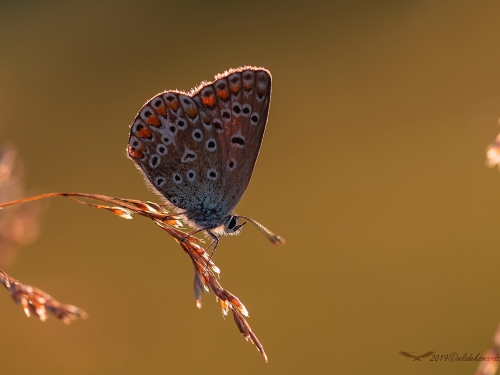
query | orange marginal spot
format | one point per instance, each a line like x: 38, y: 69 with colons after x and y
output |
x: 209, y: 101
x: 154, y: 120
x: 173, y: 105
x: 136, y: 154
x: 235, y: 88
x: 142, y: 148
x: 162, y: 110
x: 144, y: 133
x: 191, y: 111
x: 247, y: 85
x: 223, y: 94
x: 205, y: 120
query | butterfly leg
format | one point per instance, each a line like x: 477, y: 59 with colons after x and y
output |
x: 215, y: 243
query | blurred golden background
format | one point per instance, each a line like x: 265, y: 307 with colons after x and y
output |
x: 372, y: 168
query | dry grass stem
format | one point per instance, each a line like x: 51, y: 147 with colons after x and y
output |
x: 205, y: 271
x: 38, y: 303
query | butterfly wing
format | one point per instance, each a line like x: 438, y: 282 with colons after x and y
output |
x: 171, y: 144
x: 238, y: 104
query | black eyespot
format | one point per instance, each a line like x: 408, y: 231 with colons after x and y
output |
x: 186, y: 101
x: 247, y: 76
x: 221, y: 86
x: 238, y: 140
x: 260, y: 95
x: 254, y: 118
x: 181, y: 124
x: 166, y: 140
x: 135, y: 143
x: 161, y: 149
x: 177, y: 177
x: 170, y: 98
x: 158, y: 103
x: 211, y: 144
x: 217, y: 125
x: 231, y: 164
x: 226, y: 115
x: 246, y: 110
x: 212, y: 174
x: 139, y: 127
x: 236, y: 109
x: 234, y: 79
x: 197, y: 135
x: 190, y: 174
x: 160, y: 181
x: 207, y: 93
x: 173, y: 129
x: 147, y: 113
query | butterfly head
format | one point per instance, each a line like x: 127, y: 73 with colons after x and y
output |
x: 232, y: 226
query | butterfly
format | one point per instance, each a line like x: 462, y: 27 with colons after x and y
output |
x: 198, y: 150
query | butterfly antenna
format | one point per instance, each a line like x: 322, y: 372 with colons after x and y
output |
x: 275, y: 239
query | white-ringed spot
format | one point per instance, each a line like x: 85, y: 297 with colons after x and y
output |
x: 246, y: 109
x: 238, y: 141
x: 166, y: 140
x: 218, y: 126
x: 138, y: 126
x: 254, y: 118
x: 134, y: 142
x: 181, y: 124
x: 212, y: 174
x: 211, y: 145
x: 160, y: 181
x: 197, y: 135
x: 161, y: 149
x: 236, y: 109
x: 231, y: 164
x: 226, y: 115
x: 177, y: 178
x: 190, y: 174
x: 154, y: 161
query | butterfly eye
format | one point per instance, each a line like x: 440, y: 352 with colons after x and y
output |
x: 232, y: 223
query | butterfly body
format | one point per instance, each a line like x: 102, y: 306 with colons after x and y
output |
x: 198, y: 150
